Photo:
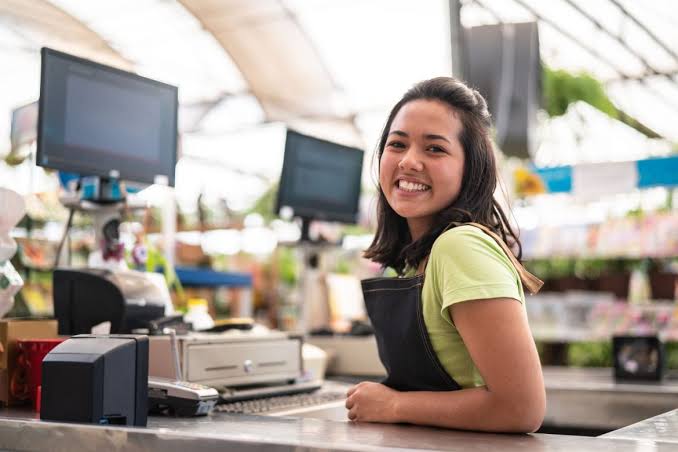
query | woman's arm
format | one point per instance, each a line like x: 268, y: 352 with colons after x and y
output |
x: 499, y: 341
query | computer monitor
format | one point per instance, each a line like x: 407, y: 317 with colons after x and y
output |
x: 96, y: 120
x: 320, y: 180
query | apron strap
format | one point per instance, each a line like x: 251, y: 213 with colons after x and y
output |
x: 421, y: 268
x: 531, y: 282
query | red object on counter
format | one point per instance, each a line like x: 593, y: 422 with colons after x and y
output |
x: 31, y: 354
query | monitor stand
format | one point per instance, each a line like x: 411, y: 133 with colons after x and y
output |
x: 309, y: 250
x: 102, y: 190
x: 305, y: 228
x: 103, y: 200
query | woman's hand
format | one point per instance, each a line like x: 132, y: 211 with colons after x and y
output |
x: 372, y: 402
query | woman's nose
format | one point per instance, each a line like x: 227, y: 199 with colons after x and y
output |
x: 411, y: 161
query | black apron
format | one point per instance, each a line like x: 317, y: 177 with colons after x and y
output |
x: 395, y: 309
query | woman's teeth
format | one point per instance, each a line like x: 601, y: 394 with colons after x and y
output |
x: 411, y: 186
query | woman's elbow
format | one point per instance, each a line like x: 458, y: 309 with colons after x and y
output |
x: 526, y: 423
x: 524, y: 414
x: 530, y: 417
x: 533, y: 423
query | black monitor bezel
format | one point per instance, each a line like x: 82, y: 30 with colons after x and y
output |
x: 78, y: 167
x: 314, y: 214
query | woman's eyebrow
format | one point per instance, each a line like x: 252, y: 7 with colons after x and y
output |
x: 399, y: 133
x: 436, y: 137
x: 428, y: 136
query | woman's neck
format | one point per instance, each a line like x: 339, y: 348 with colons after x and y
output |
x: 418, y: 227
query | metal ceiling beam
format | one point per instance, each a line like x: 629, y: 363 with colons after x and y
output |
x: 620, y: 39
x: 643, y: 76
x: 592, y: 51
x: 647, y: 31
x: 648, y: 66
x: 623, y: 115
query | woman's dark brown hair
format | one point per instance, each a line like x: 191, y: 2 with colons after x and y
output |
x: 392, y: 245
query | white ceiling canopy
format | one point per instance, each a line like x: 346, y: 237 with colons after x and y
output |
x: 333, y: 68
x: 165, y: 42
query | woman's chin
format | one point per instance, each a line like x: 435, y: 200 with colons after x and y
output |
x: 412, y: 214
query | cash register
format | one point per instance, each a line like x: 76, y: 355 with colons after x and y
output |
x: 122, y: 300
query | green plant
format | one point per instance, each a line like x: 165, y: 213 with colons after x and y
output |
x: 355, y: 229
x: 539, y: 267
x: 562, y: 267
x: 589, y: 268
x: 590, y: 354
x: 671, y: 349
x: 17, y: 156
x: 562, y: 88
x: 265, y: 205
x: 668, y: 204
x: 638, y: 212
x: 344, y: 266
x: 287, y: 266
x: 156, y: 260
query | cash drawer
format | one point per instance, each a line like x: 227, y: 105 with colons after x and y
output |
x: 243, y: 363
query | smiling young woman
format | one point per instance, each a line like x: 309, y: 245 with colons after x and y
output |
x: 452, y: 329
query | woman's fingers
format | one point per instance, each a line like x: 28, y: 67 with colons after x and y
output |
x: 349, y: 403
x: 352, y: 415
x: 354, y: 388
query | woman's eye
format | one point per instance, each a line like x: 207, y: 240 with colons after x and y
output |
x: 436, y: 149
x: 396, y: 144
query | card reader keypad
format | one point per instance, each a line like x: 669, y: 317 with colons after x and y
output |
x: 278, y: 403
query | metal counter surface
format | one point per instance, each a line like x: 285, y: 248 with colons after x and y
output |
x: 21, y: 431
x: 574, y: 397
x: 591, y: 398
x: 663, y: 427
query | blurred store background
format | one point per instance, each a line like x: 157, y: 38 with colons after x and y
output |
x: 585, y: 100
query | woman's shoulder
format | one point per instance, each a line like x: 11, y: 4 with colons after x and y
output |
x: 468, y: 245
x: 468, y: 263
x: 463, y: 237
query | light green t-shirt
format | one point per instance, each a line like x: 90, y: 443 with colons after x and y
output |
x: 465, y: 264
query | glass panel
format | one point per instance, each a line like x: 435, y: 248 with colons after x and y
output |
x: 375, y: 50
x: 166, y: 43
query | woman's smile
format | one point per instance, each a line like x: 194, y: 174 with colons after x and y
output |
x: 411, y: 187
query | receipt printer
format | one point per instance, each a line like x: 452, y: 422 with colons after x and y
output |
x: 100, y: 379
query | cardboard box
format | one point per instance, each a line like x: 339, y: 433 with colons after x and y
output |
x: 12, y: 330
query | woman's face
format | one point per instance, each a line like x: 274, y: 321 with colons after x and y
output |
x: 422, y: 165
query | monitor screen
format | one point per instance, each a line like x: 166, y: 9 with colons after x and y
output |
x: 100, y: 121
x: 320, y: 180
x: 24, y: 124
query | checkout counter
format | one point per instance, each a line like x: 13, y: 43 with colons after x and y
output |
x: 642, y: 416
x: 633, y: 416
x: 221, y: 431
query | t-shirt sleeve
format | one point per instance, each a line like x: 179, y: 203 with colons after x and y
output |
x: 468, y: 264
